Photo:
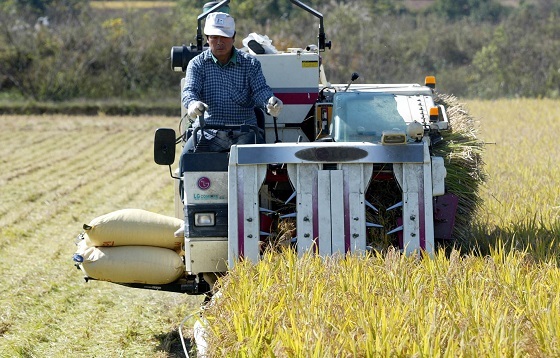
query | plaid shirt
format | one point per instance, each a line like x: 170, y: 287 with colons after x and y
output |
x: 231, y: 91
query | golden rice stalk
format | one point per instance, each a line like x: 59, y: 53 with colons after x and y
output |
x: 462, y: 151
x: 390, y: 305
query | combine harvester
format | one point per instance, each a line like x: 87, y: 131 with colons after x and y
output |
x: 336, y: 159
x: 346, y: 168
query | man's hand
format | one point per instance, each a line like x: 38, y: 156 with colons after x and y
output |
x: 274, y: 106
x: 196, y: 109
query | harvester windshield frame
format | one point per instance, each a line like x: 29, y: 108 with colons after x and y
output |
x: 363, y: 116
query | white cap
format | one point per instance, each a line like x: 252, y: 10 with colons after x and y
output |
x: 219, y: 24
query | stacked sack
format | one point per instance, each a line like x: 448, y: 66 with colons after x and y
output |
x: 131, y: 246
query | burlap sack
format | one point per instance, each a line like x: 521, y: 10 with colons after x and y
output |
x: 131, y: 264
x: 134, y: 227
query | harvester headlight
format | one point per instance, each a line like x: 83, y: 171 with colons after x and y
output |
x: 204, y: 219
x: 393, y: 137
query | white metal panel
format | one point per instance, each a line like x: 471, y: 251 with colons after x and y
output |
x: 248, y: 192
x: 280, y: 70
x: 254, y: 177
x: 411, y: 228
x: 206, y: 256
x: 233, y: 229
x: 333, y: 200
x: 357, y: 177
x: 427, y: 233
x: 324, y: 212
x: 416, y: 182
x: 338, y: 212
x: 244, y: 182
x: 305, y: 176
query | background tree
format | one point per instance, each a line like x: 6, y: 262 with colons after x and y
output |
x: 54, y: 50
x: 479, y: 10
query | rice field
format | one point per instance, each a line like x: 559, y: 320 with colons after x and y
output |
x: 521, y: 158
x: 58, y: 172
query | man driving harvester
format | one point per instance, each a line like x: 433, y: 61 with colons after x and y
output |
x: 224, y: 86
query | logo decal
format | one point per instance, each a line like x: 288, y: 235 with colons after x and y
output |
x: 203, y: 183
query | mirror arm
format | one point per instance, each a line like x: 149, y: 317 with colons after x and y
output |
x: 171, y: 173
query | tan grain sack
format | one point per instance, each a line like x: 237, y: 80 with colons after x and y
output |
x: 131, y: 264
x: 134, y: 227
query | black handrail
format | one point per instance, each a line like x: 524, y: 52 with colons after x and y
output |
x: 322, y: 37
x: 241, y: 128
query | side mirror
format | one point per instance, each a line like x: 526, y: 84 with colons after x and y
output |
x: 164, y: 146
